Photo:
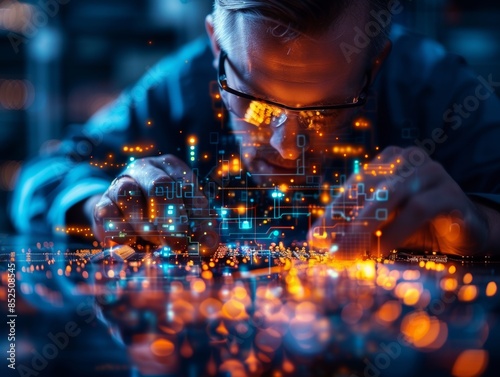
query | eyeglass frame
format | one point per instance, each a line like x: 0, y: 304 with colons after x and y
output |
x: 222, y: 82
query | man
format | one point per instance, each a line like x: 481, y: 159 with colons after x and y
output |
x: 301, y: 80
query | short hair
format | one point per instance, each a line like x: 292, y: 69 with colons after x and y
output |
x: 293, y: 17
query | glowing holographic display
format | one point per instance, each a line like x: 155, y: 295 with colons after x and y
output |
x: 280, y: 208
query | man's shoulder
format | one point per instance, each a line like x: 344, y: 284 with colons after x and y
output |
x: 160, y: 92
x: 417, y: 62
x: 407, y: 40
x: 191, y: 58
x: 414, y: 53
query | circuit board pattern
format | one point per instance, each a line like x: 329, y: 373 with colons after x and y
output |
x: 242, y: 213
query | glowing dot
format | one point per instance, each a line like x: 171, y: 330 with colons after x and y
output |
x: 470, y: 363
x: 449, y: 284
x: 411, y: 296
x: 389, y: 311
x: 234, y: 309
x: 468, y: 278
x: 162, y: 347
x: 198, y: 285
x: 467, y: 293
x: 491, y: 289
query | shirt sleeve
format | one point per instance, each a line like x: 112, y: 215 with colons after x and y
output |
x: 52, y: 183
x: 434, y: 100
x: 148, y: 115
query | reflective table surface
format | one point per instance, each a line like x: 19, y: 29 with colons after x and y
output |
x: 80, y: 310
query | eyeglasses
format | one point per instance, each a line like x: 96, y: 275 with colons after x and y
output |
x: 261, y: 112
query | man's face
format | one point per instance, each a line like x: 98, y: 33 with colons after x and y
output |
x: 300, y: 73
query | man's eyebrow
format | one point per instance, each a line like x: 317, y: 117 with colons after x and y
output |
x: 243, y: 79
x: 260, y: 95
x: 243, y: 85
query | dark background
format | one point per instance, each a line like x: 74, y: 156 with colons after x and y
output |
x: 79, y: 55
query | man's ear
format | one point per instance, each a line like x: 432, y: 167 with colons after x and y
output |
x: 380, y: 59
x: 209, y: 26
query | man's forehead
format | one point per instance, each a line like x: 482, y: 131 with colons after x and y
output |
x: 302, y: 61
x: 257, y: 42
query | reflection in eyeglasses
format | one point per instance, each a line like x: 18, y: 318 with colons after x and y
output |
x: 263, y: 114
x: 260, y: 113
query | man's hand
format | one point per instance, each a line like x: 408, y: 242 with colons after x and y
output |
x: 425, y: 209
x: 156, y: 201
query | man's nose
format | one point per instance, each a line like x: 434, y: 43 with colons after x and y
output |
x: 288, y: 140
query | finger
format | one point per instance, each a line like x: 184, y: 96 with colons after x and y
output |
x: 366, y: 203
x: 108, y: 219
x: 396, y: 212
x: 416, y: 215
x: 174, y: 199
x: 104, y: 210
x: 128, y: 197
x: 133, y: 218
x: 194, y: 198
x: 369, y: 200
x: 386, y: 183
x: 386, y: 199
x: 170, y: 177
x: 202, y: 225
x: 161, y: 187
